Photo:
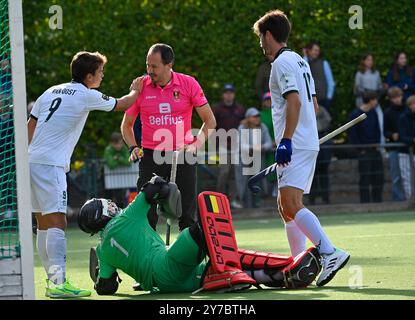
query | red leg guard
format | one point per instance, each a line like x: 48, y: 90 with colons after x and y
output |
x: 216, y: 220
x: 255, y: 260
x: 271, y: 264
x: 288, y: 272
x: 230, y: 280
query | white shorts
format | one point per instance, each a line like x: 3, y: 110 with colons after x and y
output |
x: 48, y: 188
x: 300, y: 172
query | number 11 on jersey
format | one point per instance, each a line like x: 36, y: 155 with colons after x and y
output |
x: 307, y: 79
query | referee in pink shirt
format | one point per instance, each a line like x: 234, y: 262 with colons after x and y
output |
x: 165, y: 104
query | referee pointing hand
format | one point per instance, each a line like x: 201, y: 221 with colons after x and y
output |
x: 166, y: 103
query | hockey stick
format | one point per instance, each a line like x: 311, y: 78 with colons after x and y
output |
x: 272, y: 168
x: 173, y: 173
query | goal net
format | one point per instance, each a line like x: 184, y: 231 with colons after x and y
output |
x: 16, y: 248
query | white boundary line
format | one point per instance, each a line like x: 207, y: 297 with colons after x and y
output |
x: 21, y: 142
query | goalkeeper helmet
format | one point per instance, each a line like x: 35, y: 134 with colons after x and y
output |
x: 95, y: 214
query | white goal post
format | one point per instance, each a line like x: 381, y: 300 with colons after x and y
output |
x: 17, y: 273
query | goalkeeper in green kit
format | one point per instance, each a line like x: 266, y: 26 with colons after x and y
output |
x: 128, y: 243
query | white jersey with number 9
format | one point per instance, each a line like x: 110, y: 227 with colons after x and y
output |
x: 61, y: 113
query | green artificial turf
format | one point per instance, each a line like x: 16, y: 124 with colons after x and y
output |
x: 382, y: 248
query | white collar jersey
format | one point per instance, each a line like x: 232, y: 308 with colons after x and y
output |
x: 291, y: 73
x: 61, y: 113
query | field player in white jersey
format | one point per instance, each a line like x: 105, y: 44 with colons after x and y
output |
x: 294, y: 108
x: 54, y: 127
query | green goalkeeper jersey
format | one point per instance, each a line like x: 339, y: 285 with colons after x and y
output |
x: 127, y: 245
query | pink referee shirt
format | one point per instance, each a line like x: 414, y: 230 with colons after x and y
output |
x: 166, y: 113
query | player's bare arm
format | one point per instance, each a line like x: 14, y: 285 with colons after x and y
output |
x: 293, y: 114
x: 126, y: 101
x: 127, y: 131
x: 315, y: 104
x: 284, y: 150
x: 208, y: 124
x: 31, y: 126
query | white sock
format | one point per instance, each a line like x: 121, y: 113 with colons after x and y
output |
x: 296, y: 238
x: 310, y: 226
x: 56, y: 251
x: 41, y: 248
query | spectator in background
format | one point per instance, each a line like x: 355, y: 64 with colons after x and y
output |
x: 370, y: 158
x: 407, y: 135
x: 266, y: 115
x: 116, y: 155
x: 228, y: 114
x: 258, y: 140
x: 391, y: 122
x: 262, y: 79
x: 401, y: 75
x: 320, y: 186
x: 367, y: 78
x: 266, y: 118
x: 321, y: 72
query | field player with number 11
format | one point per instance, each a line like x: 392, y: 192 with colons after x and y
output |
x: 54, y: 127
x: 294, y: 108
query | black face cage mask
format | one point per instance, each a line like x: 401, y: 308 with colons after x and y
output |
x: 91, y: 218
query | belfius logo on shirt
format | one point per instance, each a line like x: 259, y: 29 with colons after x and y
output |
x: 164, y: 120
x: 165, y: 117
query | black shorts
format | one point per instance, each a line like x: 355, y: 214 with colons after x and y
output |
x: 185, y: 180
